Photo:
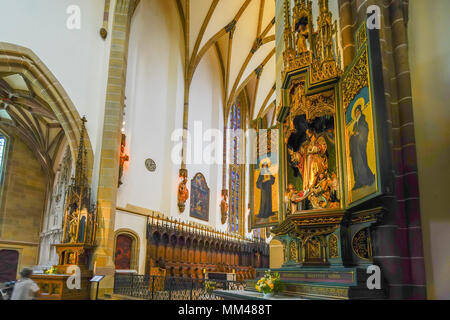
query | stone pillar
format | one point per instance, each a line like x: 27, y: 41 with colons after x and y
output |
x: 103, y: 258
x: 346, y: 26
x: 398, y: 240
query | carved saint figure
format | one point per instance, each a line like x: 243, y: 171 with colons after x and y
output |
x: 264, y: 183
x: 293, y: 199
x: 302, y: 35
x: 73, y: 226
x: 323, y: 195
x: 224, y: 207
x: 358, y: 150
x: 183, y: 191
x: 311, y: 159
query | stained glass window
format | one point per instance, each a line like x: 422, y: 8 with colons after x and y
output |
x: 2, y: 155
x: 257, y: 233
x: 235, y: 175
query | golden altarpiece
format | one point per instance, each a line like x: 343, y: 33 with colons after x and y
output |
x: 77, y: 245
x: 333, y: 163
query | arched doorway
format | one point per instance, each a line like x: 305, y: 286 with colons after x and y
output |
x: 9, y: 261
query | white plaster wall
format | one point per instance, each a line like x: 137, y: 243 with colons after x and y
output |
x: 429, y: 54
x: 154, y: 109
x: 154, y: 106
x: 78, y: 58
x: 206, y: 113
x: 138, y: 224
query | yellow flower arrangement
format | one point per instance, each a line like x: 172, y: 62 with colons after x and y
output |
x: 210, y: 286
x: 269, y: 283
x: 52, y: 270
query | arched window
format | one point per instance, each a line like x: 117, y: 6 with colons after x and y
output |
x: 235, y: 124
x: 3, y: 142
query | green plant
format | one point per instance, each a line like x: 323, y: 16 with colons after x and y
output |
x: 52, y: 270
x: 269, y: 283
x: 210, y: 286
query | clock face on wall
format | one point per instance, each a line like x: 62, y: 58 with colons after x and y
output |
x: 150, y: 165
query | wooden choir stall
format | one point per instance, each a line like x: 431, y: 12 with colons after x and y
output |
x: 188, y: 251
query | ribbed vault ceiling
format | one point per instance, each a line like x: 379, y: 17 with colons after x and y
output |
x: 25, y: 111
x: 242, y: 33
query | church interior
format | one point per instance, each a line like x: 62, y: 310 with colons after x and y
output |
x: 193, y: 149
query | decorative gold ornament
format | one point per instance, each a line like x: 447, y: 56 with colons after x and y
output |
x: 313, y: 248
x: 361, y: 37
x: 293, y: 251
x: 333, y: 250
x: 306, y: 46
x: 371, y: 215
x: 318, y: 222
x: 362, y: 244
x: 356, y: 79
x: 314, y: 106
x: 305, y: 234
x: 80, y: 220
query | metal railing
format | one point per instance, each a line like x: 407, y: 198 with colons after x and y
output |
x: 171, y: 288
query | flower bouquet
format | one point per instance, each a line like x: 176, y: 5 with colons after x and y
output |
x: 269, y: 284
x: 52, y: 270
x: 210, y: 286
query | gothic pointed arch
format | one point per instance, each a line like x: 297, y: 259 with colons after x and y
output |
x: 42, y: 104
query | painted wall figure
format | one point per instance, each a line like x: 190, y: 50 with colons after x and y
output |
x: 199, y: 198
x: 358, y: 149
x: 264, y: 183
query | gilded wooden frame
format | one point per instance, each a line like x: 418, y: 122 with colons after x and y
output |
x: 368, y: 47
x: 254, y: 225
x: 310, y: 89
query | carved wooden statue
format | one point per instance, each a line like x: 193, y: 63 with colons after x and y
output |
x: 183, y: 191
x: 224, y: 206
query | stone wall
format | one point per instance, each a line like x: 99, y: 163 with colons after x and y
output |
x: 22, y: 202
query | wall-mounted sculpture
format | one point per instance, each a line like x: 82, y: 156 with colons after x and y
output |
x: 123, y: 158
x: 224, y: 206
x: 183, y: 191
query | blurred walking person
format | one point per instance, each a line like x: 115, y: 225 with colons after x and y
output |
x: 25, y: 288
